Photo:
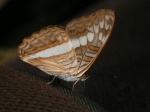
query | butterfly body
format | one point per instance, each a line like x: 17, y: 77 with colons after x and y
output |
x: 68, y: 53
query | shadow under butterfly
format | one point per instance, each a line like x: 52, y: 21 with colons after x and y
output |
x: 67, y: 53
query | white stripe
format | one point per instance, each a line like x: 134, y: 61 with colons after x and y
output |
x: 103, y: 39
x: 90, y: 54
x: 90, y: 36
x: 106, y: 25
x: 107, y: 17
x: 27, y: 46
x: 68, y: 46
x: 75, y: 43
x: 84, y: 63
x: 100, y: 36
x: 96, y: 29
x: 83, y: 40
x: 53, y: 51
x: 102, y: 23
x: 111, y: 16
x: 90, y: 28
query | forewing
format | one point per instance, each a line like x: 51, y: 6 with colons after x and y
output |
x: 88, y: 35
x: 50, y: 50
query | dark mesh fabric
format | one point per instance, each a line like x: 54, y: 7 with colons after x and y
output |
x: 21, y: 92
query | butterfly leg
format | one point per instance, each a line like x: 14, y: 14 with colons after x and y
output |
x: 84, y: 78
x: 51, y: 80
x: 75, y: 84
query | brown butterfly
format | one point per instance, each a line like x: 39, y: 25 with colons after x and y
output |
x: 67, y: 53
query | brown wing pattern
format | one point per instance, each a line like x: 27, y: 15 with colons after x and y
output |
x: 69, y: 53
x: 51, y: 50
x: 89, y: 35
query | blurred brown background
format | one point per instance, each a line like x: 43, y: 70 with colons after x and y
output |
x: 120, y: 77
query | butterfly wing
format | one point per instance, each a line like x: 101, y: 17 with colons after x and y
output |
x: 50, y: 50
x: 88, y: 35
x: 59, y: 52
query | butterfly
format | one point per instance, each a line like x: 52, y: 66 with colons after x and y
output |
x: 67, y: 53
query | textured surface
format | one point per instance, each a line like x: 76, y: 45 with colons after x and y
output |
x: 21, y: 92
